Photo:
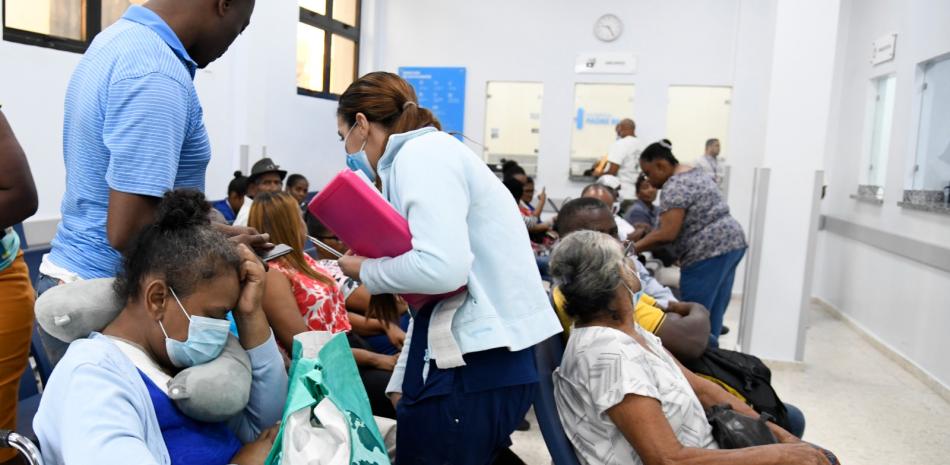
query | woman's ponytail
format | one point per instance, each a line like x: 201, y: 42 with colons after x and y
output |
x: 387, y: 99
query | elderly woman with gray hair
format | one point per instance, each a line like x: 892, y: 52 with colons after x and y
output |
x: 622, y: 398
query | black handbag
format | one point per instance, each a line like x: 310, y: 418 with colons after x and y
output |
x: 733, y: 430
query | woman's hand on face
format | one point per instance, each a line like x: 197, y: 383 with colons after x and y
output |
x: 255, y: 453
x: 252, y: 277
x: 351, y: 264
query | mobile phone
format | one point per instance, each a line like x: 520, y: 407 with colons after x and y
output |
x: 324, y: 246
x: 278, y: 251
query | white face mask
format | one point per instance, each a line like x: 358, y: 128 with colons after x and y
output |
x: 634, y: 296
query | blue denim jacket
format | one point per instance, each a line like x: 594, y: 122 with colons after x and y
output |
x: 466, y: 230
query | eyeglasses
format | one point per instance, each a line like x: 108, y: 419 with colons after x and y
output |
x: 628, y: 247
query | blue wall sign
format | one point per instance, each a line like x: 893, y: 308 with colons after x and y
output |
x: 442, y: 91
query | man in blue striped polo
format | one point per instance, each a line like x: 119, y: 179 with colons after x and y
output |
x: 133, y: 129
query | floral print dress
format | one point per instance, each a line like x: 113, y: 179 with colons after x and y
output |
x: 322, y: 305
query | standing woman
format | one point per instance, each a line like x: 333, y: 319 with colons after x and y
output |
x: 17, y: 203
x: 708, y: 241
x: 466, y: 231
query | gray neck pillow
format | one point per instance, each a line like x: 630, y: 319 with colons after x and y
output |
x: 212, y: 392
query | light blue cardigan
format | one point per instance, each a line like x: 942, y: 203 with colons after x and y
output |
x: 466, y: 229
x: 96, y: 408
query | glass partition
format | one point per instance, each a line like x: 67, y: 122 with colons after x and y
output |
x: 932, y: 166
x: 597, y: 110
x: 879, y: 115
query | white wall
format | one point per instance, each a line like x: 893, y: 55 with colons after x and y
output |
x: 32, y: 90
x: 799, y: 110
x: 249, y: 95
x: 902, y: 302
x: 677, y: 42
x: 249, y: 98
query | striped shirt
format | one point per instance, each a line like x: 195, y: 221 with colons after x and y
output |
x: 133, y: 124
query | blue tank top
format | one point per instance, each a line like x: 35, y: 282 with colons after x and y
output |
x: 190, y: 441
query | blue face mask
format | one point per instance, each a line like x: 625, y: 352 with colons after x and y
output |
x: 359, y: 161
x: 206, y: 339
x: 634, y: 296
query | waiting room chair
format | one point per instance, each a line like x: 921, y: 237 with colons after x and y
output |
x: 547, y: 357
x: 23, y: 445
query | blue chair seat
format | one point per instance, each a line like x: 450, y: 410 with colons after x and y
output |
x: 25, y: 411
x: 29, y: 394
x: 547, y: 357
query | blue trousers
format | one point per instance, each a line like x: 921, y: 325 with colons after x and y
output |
x: 460, y: 428
x: 55, y: 349
x: 796, y: 420
x: 709, y: 282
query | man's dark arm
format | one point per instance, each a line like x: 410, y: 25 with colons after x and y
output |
x: 17, y: 190
x: 686, y: 336
x: 128, y: 214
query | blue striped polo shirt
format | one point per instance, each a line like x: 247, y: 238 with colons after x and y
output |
x: 133, y: 124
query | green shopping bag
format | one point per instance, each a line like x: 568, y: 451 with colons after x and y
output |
x: 327, y: 418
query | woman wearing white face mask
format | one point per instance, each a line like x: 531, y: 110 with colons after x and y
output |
x: 463, y: 395
x: 107, y: 400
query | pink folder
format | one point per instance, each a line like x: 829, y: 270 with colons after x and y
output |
x: 358, y: 215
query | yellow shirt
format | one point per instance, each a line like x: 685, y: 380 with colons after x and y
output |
x: 646, y: 313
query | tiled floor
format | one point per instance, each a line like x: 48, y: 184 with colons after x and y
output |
x: 857, y: 402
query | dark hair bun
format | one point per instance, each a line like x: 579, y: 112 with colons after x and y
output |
x: 661, y: 150
x: 238, y: 174
x: 181, y: 209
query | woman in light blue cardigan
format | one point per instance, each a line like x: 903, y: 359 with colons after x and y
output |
x: 466, y: 374
x: 106, y: 401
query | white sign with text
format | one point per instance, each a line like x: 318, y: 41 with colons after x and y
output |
x: 606, y: 63
x: 884, y: 49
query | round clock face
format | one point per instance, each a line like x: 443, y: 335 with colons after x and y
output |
x: 608, y: 28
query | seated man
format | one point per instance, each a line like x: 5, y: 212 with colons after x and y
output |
x: 266, y: 176
x: 609, y: 197
x: 683, y: 327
